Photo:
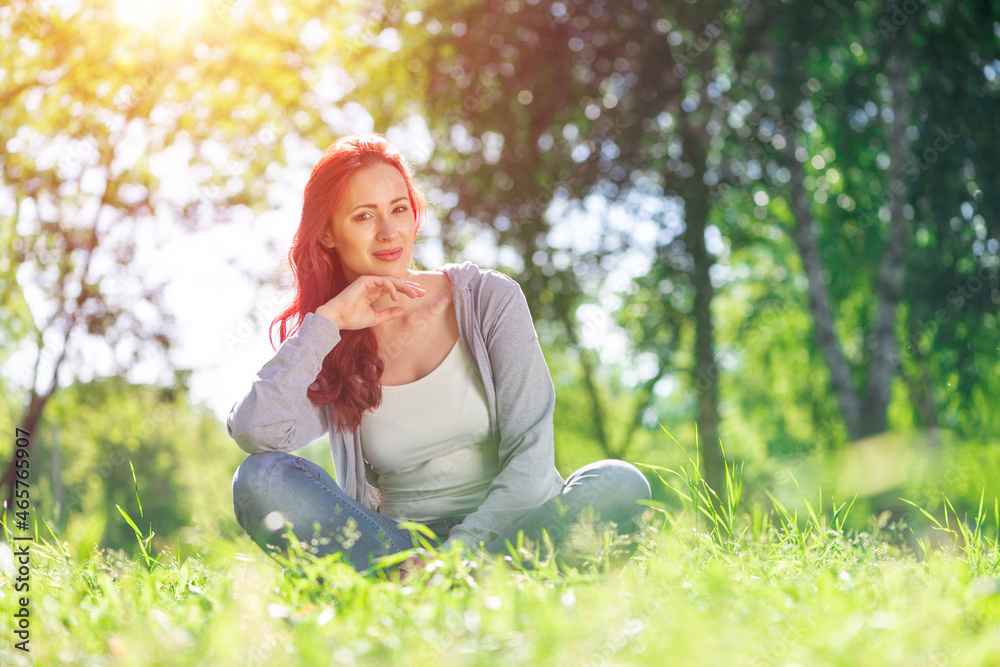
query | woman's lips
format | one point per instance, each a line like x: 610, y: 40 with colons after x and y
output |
x: 389, y: 255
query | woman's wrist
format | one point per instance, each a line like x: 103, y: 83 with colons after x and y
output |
x: 332, y: 315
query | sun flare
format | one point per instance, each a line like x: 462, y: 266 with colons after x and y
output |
x: 160, y: 14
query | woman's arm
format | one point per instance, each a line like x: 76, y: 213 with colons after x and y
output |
x: 276, y: 414
x: 525, y: 400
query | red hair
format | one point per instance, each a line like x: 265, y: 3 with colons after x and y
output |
x: 350, y: 379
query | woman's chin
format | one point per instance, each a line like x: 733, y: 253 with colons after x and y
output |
x: 399, y: 272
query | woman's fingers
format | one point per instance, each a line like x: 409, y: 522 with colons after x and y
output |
x: 392, y: 291
x: 388, y: 314
x: 352, y: 308
x: 412, y: 289
x: 409, y: 288
x: 392, y: 287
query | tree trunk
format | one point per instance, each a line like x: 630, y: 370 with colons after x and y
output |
x: 36, y: 405
x: 892, y: 273
x: 29, y: 424
x: 921, y: 387
x: 706, y: 370
x: 864, y: 417
x: 819, y: 300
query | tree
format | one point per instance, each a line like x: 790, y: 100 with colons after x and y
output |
x: 511, y: 137
x: 832, y: 128
x: 82, y: 116
x: 97, y: 434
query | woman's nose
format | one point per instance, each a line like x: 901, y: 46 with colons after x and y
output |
x: 385, y: 228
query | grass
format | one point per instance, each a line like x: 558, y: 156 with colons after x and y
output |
x: 712, y: 583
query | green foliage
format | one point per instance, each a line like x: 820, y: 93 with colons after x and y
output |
x: 576, y: 441
x: 183, y: 463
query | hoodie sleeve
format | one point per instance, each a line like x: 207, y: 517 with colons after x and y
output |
x: 276, y: 414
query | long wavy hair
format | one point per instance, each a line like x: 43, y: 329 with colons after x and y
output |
x: 349, y: 380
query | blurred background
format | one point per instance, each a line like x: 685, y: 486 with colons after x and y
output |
x: 755, y: 233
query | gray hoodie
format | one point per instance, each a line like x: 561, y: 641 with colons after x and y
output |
x: 498, y: 336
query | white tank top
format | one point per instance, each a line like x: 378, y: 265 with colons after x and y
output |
x: 430, y: 443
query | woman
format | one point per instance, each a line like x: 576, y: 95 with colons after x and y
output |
x: 431, y: 385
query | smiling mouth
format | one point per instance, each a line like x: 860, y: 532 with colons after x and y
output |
x: 389, y: 255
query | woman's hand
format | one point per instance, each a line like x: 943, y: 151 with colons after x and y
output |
x: 352, y: 308
x: 411, y: 566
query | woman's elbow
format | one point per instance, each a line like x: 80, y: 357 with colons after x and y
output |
x: 251, y: 440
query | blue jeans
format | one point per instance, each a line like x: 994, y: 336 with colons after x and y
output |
x: 272, y: 488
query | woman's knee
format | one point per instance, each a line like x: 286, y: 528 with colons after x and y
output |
x: 254, y: 474
x: 614, y: 486
x: 618, y: 478
x: 253, y: 479
x: 631, y: 478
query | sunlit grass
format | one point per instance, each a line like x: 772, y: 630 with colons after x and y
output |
x: 713, y: 583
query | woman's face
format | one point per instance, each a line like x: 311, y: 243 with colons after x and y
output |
x: 373, y: 226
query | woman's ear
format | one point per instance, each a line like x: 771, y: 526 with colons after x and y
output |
x: 327, y: 241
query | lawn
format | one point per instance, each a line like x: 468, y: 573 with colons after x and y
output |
x: 708, y: 585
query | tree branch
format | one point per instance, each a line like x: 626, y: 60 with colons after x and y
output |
x: 646, y: 393
x: 587, y: 365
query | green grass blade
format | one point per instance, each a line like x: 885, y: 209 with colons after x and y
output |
x: 135, y: 482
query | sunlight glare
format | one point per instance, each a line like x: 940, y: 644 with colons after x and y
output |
x: 158, y: 14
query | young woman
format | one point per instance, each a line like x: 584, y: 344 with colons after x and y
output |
x: 431, y: 385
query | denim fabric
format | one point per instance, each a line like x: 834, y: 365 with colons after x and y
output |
x: 272, y: 488
x: 610, y: 487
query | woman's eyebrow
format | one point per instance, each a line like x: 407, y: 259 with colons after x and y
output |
x: 406, y: 198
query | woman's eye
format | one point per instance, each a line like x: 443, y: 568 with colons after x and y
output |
x: 402, y: 209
